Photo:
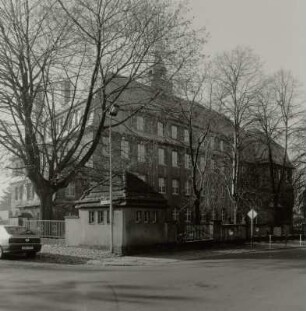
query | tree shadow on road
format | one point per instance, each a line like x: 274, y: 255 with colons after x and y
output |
x: 63, y: 295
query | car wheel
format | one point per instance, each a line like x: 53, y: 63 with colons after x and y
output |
x: 1, y: 253
x: 31, y: 255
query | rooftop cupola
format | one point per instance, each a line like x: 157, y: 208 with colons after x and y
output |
x: 159, y: 75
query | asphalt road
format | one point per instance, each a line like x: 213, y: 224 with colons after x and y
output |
x: 265, y: 281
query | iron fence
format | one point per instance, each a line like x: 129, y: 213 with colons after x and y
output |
x: 196, y: 233
x: 47, y: 228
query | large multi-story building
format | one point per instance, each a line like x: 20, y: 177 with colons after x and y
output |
x: 154, y: 144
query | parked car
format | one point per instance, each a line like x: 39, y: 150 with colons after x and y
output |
x: 17, y: 240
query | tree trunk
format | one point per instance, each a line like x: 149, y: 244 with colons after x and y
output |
x: 277, y: 210
x: 235, y: 212
x: 197, y: 218
x: 46, y: 204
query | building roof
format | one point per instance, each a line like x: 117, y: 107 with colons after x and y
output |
x: 128, y: 191
x: 256, y: 150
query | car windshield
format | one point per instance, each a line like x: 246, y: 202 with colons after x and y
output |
x: 18, y: 230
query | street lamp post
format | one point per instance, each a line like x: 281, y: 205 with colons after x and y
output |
x: 113, y: 111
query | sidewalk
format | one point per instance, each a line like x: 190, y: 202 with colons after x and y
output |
x: 92, y: 256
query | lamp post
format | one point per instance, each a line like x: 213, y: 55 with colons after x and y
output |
x: 113, y: 111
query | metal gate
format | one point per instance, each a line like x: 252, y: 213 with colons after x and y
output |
x: 47, y: 228
x: 192, y: 233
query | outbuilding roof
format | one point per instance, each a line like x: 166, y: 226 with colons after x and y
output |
x: 128, y: 191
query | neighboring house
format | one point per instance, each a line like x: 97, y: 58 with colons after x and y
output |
x: 5, y: 207
x: 5, y: 201
x: 25, y: 202
x: 256, y: 183
x: 153, y: 145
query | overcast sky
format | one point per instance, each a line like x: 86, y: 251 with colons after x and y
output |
x: 274, y: 29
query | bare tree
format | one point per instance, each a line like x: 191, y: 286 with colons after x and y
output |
x: 237, y: 75
x: 202, y: 138
x: 62, y: 67
x: 196, y: 134
x: 278, y: 117
x: 299, y: 161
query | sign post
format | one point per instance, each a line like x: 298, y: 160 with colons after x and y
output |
x: 252, y: 214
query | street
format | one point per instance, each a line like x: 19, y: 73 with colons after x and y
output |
x: 269, y: 280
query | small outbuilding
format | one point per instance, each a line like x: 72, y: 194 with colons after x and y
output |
x: 139, y: 217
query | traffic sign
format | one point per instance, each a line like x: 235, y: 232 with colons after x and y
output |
x: 252, y: 213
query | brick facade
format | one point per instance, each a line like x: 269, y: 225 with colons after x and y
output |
x: 152, y: 145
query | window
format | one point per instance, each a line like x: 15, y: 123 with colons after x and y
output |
x: 222, y: 192
x: 140, y: 123
x: 66, y: 91
x: 213, y: 214
x: 141, y: 153
x: 21, y: 192
x: 90, y: 118
x: 91, y: 217
x: 59, y: 124
x: 203, y: 217
x: 105, y: 143
x: 161, y: 185
x: 174, y: 131
x: 90, y: 162
x: 70, y: 122
x: 186, y: 136
x: 188, y: 216
x: 30, y: 191
x: 160, y: 129
x: 70, y: 190
x: 175, y: 186
x: 125, y: 149
x: 154, y: 217
x: 288, y: 176
x: 262, y: 179
x: 187, y: 187
x: 161, y: 156
x: 203, y: 193
x: 175, y: 215
x: 77, y: 117
x: 221, y: 145
x: 100, y: 217
x: 146, y: 217
x: 222, y: 215
x: 16, y: 193
x: 174, y: 159
x: 202, y: 163
x: 212, y: 164
x: 212, y: 143
x: 187, y: 161
x: 107, y: 217
x: 138, y: 216
x: 279, y: 173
